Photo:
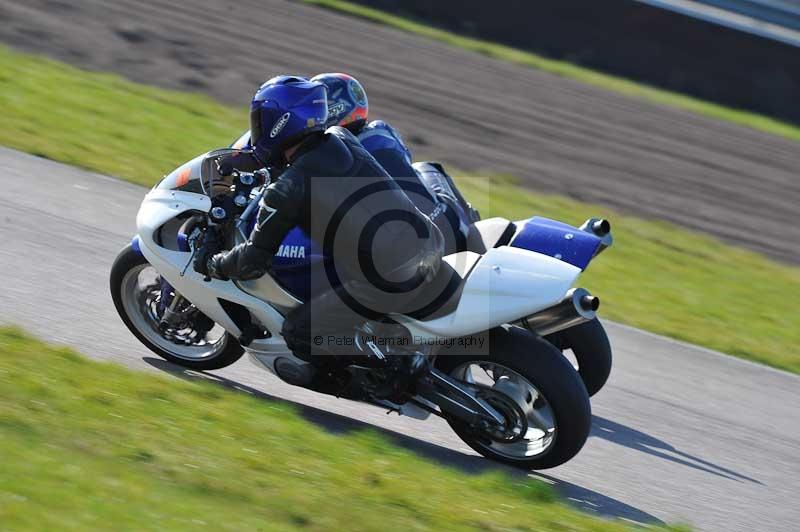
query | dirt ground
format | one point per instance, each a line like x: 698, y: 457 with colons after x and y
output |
x: 554, y: 134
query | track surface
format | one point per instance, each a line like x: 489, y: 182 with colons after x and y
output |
x: 555, y: 134
x: 680, y: 433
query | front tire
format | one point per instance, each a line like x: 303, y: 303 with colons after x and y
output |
x: 555, y: 394
x: 134, y: 304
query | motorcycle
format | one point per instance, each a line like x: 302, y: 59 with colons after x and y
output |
x: 491, y: 348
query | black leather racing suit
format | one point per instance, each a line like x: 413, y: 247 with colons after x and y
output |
x: 439, y: 203
x: 384, y: 251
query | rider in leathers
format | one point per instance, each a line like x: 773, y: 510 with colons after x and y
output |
x: 328, y: 173
x: 428, y: 186
x: 431, y: 189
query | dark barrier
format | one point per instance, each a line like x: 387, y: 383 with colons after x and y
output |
x: 632, y: 40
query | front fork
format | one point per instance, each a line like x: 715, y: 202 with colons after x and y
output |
x: 169, y: 311
x: 170, y: 299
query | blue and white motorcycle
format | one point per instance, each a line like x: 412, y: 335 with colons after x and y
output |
x: 496, y: 372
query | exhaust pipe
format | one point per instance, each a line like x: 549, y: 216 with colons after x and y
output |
x: 601, y: 229
x: 577, y: 307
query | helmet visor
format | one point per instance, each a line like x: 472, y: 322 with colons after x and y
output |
x: 255, y: 125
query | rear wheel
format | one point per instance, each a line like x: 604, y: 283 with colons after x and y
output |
x: 189, y: 338
x: 535, y: 388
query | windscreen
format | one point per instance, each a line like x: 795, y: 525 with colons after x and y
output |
x: 185, y: 178
x: 210, y: 173
x: 218, y: 166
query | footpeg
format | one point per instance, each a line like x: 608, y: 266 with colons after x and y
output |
x: 375, y: 353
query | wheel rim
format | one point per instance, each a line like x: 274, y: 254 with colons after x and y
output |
x: 140, y: 293
x: 514, y: 395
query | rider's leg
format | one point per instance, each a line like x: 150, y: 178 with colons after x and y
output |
x: 439, y: 182
x: 324, y: 326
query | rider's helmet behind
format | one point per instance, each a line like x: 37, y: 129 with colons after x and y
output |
x: 347, y: 101
x: 284, y: 110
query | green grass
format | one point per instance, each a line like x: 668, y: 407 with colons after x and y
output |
x: 94, y: 446
x: 104, y: 123
x: 566, y: 69
x: 657, y: 276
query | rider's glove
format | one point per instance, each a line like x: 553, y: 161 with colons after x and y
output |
x: 205, y: 251
x: 201, y: 258
x: 213, y: 269
x: 243, y: 262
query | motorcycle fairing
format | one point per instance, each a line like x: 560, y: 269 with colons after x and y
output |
x: 135, y: 244
x: 292, y: 265
x: 505, y: 284
x: 556, y: 239
x: 158, y: 207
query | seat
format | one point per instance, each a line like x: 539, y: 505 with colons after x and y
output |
x: 489, y: 233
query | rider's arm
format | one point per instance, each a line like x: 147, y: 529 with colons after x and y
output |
x: 280, y: 210
x: 388, y: 148
x: 393, y: 162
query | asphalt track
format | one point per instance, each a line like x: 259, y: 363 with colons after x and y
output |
x: 681, y: 434
x: 555, y: 134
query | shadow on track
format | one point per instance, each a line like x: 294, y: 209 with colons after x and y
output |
x: 596, y: 503
x: 634, y: 439
x: 584, y: 499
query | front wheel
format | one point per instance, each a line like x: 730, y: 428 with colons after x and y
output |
x: 189, y: 338
x: 544, y: 401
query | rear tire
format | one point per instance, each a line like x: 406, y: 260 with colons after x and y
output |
x: 544, y: 367
x: 589, y: 343
x: 225, y: 352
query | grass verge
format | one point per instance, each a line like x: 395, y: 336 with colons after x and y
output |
x: 104, y: 123
x: 566, y: 69
x: 91, y: 446
x: 657, y: 276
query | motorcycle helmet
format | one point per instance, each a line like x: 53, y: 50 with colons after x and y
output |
x: 347, y: 101
x: 284, y: 110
